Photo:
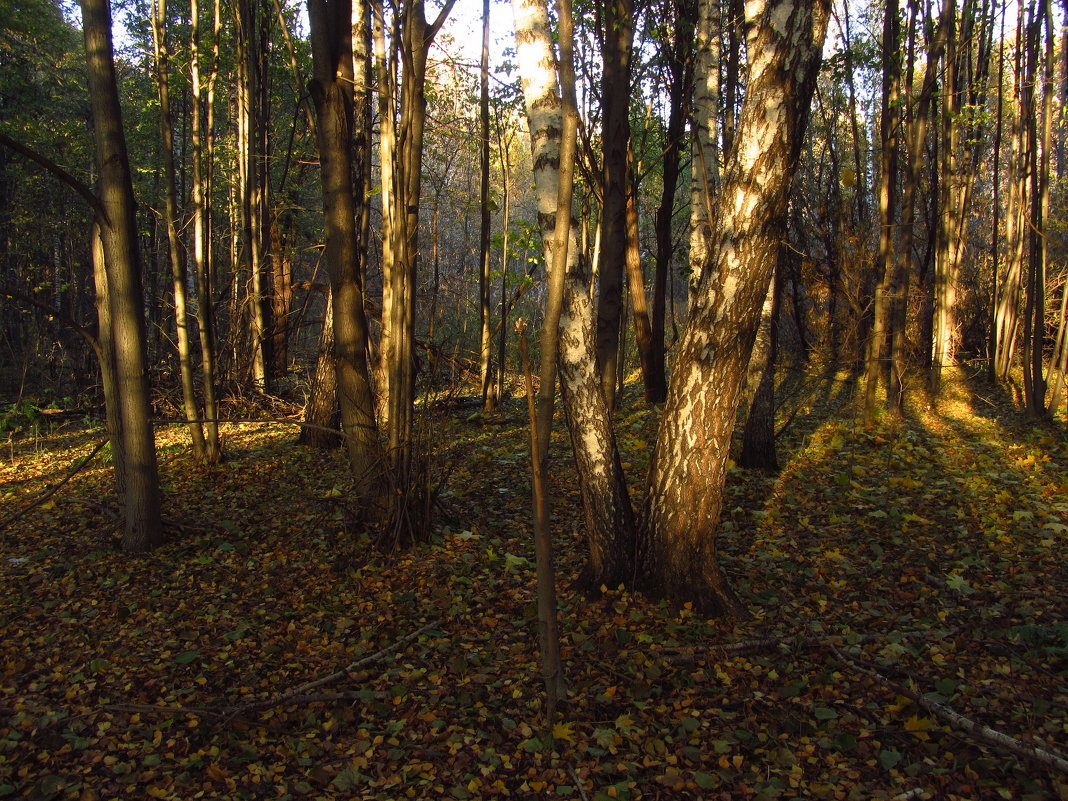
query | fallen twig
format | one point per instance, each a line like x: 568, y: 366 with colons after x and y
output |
x: 7, y: 521
x: 297, y: 695
x: 767, y: 643
x: 991, y: 737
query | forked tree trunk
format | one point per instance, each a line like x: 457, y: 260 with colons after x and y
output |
x: 143, y: 529
x: 677, y: 556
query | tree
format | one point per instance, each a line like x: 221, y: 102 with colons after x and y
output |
x: 332, y: 92
x: 677, y: 547
x: 608, y: 513
x: 876, y: 361
x: 175, y: 254
x: 143, y: 529
x: 617, y: 36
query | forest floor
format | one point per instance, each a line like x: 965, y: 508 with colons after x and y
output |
x: 885, y: 563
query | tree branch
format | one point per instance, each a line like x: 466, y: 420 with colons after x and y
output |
x: 60, y: 173
x: 992, y: 737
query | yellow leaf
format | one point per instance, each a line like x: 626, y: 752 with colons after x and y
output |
x: 563, y: 731
x: 919, y: 726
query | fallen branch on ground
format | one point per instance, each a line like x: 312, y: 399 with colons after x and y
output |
x: 297, y: 695
x: 991, y: 737
x: 7, y: 521
x: 770, y: 642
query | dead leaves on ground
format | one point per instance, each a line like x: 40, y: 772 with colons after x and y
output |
x: 932, y: 549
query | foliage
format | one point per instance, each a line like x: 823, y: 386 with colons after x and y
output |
x: 931, y: 548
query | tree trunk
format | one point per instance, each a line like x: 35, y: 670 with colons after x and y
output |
x: 332, y: 91
x: 201, y: 141
x: 322, y: 409
x: 704, y: 166
x: 175, y: 254
x: 108, y: 369
x: 617, y: 38
x: 680, y: 68
x: 606, y: 503
x: 143, y: 529
x: 486, y: 338
x: 677, y: 558
x: 878, y: 343
x: 758, y: 436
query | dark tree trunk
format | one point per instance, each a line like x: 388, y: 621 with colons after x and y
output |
x: 143, y: 530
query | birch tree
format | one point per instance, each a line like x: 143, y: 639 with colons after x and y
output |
x: 677, y: 545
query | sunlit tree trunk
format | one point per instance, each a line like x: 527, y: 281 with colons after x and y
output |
x: 606, y: 503
x: 878, y: 341
x: 143, y: 529
x: 175, y: 254
x: 202, y: 103
x: 704, y: 165
x: 1007, y: 319
x: 486, y: 338
x: 677, y: 558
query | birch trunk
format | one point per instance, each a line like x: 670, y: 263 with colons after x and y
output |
x: 677, y: 554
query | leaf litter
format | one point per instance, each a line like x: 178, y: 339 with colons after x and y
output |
x: 269, y: 651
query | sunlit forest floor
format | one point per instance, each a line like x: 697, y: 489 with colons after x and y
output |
x: 924, y: 558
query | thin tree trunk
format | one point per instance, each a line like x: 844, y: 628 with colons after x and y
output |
x: 201, y: 139
x: 606, y: 503
x: 486, y: 339
x: 878, y: 343
x: 175, y: 256
x: 617, y: 39
x: 679, y: 91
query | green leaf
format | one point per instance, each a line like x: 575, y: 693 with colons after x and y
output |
x: 187, y: 657
x: 824, y: 713
x: 703, y: 780
x: 946, y: 687
x: 889, y: 758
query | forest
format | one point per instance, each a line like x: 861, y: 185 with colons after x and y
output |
x: 599, y: 399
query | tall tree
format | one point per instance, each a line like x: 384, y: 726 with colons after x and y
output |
x: 677, y: 555
x: 617, y: 36
x: 486, y: 336
x: 175, y: 254
x: 606, y: 502
x: 878, y: 351
x: 680, y: 88
x: 332, y: 85
x: 143, y: 529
